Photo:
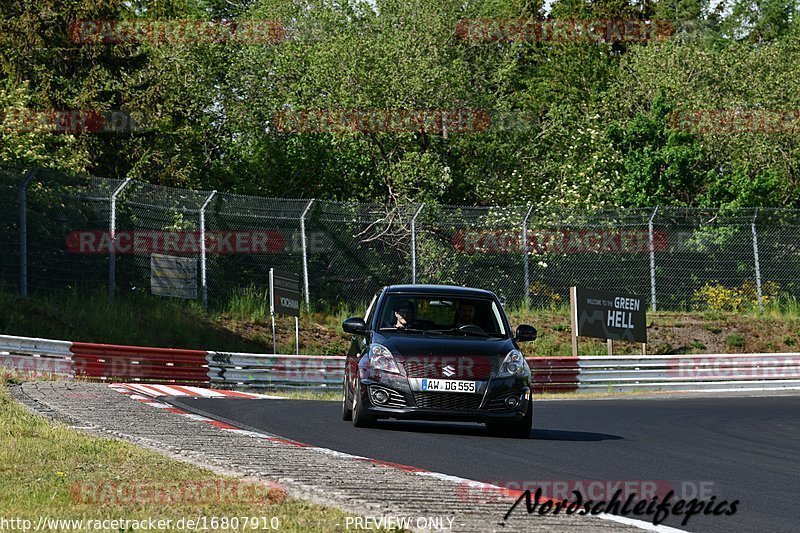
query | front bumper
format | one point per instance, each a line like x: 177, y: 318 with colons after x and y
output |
x: 487, y: 405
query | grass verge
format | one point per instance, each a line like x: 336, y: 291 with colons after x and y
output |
x: 48, y: 470
x: 244, y: 324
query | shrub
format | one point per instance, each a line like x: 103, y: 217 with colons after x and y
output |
x: 734, y: 340
x: 713, y: 296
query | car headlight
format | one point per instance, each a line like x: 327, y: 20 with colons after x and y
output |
x: 514, y: 365
x: 380, y: 358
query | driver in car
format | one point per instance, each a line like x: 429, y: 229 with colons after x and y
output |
x: 404, y: 315
x: 465, y: 314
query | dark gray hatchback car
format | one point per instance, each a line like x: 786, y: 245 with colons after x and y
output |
x: 435, y: 352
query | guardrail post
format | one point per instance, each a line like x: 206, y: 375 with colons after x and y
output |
x: 23, y: 232
x: 755, y: 257
x: 112, y: 252
x: 414, y: 244
x: 652, y: 260
x: 525, y: 257
x: 305, y: 251
x: 203, y: 283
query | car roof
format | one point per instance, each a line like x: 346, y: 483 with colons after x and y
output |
x: 440, y: 289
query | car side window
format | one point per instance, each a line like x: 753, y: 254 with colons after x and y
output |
x: 371, y: 310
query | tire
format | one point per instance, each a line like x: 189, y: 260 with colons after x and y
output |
x: 495, y: 429
x: 522, y: 429
x: 347, y: 405
x: 514, y: 430
x: 361, y: 419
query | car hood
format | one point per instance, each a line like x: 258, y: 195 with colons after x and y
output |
x: 408, y: 345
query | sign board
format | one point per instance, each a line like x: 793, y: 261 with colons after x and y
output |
x: 173, y: 276
x: 284, y: 290
x: 609, y: 315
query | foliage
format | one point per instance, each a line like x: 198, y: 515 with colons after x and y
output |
x: 714, y: 296
x: 583, y: 125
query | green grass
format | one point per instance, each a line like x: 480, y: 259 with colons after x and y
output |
x: 134, y: 319
x: 734, y: 340
x: 44, y: 466
x: 243, y: 324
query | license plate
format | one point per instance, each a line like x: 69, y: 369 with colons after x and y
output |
x: 447, y: 385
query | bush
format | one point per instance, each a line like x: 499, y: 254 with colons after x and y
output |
x: 714, y: 296
x: 734, y: 340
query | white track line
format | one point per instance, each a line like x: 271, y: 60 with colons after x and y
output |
x: 641, y: 524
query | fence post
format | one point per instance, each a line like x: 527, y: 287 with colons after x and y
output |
x: 414, y: 244
x: 203, y: 283
x: 652, y: 260
x: 112, y: 252
x: 23, y: 232
x: 525, y: 255
x: 305, y: 251
x: 755, y: 256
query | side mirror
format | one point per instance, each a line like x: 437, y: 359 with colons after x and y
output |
x: 526, y: 333
x: 354, y: 325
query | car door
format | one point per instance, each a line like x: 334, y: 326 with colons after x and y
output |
x: 358, y: 345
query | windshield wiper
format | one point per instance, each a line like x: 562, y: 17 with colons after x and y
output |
x: 412, y: 330
x: 456, y: 331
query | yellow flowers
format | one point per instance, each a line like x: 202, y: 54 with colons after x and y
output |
x: 714, y: 296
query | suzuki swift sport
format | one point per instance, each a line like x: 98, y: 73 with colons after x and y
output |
x: 432, y: 352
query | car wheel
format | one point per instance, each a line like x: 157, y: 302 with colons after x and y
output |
x: 522, y: 429
x: 495, y: 429
x: 347, y: 405
x: 361, y: 419
x: 515, y: 430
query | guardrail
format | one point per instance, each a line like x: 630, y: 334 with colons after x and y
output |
x: 138, y: 363
x: 36, y: 357
x: 707, y: 372
x: 276, y: 371
x: 31, y: 357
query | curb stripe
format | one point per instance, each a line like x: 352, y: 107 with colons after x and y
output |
x: 221, y: 425
x: 413, y: 470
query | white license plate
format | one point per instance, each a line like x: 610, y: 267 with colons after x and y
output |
x: 447, y: 385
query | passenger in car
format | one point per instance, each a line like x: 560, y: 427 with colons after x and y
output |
x: 465, y: 314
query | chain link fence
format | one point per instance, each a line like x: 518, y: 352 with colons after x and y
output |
x: 84, y: 233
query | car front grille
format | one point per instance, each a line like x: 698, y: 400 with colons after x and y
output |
x: 467, y: 367
x: 447, y: 401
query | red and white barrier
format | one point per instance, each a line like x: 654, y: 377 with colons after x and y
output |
x: 176, y: 369
x: 137, y: 363
x: 31, y: 357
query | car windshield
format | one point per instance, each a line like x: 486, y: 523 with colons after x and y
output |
x: 442, y: 315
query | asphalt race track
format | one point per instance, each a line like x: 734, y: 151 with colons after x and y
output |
x: 745, y: 449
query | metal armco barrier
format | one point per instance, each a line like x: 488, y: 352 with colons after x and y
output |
x: 36, y: 357
x: 276, y: 371
x: 707, y: 372
x: 30, y: 357
x: 137, y: 363
x: 554, y: 374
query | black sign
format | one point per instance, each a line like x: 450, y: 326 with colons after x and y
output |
x: 284, y: 293
x: 610, y: 315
